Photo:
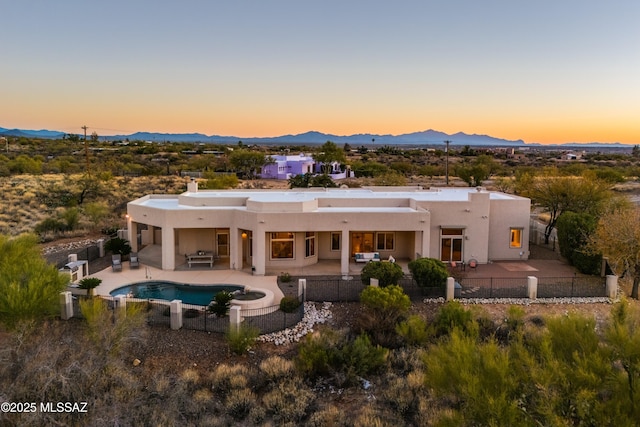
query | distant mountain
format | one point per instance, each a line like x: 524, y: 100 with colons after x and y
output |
x: 48, y: 134
x: 427, y: 137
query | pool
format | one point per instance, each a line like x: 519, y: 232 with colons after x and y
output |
x: 165, y: 290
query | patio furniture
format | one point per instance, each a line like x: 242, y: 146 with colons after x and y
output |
x: 367, y: 256
x: 134, y: 262
x: 200, y: 257
x: 473, y: 263
x: 116, y: 262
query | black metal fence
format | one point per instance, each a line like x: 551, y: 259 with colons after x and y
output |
x: 272, y: 319
x: 336, y: 289
x: 575, y: 287
x: 87, y: 253
x: 492, y: 287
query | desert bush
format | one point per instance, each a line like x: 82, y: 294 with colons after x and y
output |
x: 275, y: 369
x: 360, y: 357
x: 403, y: 394
x: 285, y: 277
x: 29, y: 287
x: 229, y: 377
x: 241, y: 339
x: 382, y: 309
x: 429, y: 272
x: 413, y: 331
x: 289, y: 401
x: 453, y: 315
x: 387, y: 273
x: 289, y: 304
x: 118, y: 246
x: 317, y: 353
x: 111, y: 330
x: 330, y: 416
x: 239, y: 403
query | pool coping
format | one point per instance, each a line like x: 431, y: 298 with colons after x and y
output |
x: 115, y: 279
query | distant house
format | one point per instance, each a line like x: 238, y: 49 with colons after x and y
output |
x: 287, y: 166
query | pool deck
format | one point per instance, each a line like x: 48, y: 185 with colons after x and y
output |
x: 112, y: 279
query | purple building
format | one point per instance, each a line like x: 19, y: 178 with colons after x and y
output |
x: 285, y: 167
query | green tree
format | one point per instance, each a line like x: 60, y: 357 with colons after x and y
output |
x: 574, y: 230
x: 617, y: 237
x: 382, y: 309
x: 29, y: 287
x: 387, y: 273
x: 328, y: 153
x: 558, y: 194
x: 429, y: 272
x: 248, y: 163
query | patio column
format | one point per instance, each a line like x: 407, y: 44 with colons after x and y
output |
x: 168, y: 248
x: 259, y: 253
x: 344, y: 254
x: 235, y: 247
x: 132, y: 228
x: 421, y: 239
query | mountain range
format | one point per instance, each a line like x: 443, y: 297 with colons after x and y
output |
x: 427, y: 137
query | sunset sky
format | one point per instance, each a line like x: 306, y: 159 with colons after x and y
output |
x: 542, y: 71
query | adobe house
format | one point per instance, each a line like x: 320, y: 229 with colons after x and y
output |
x: 275, y: 230
x: 285, y: 167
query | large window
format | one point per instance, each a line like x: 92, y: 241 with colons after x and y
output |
x: 282, y: 245
x: 385, y: 241
x: 310, y: 244
x: 335, y: 241
x: 515, y: 241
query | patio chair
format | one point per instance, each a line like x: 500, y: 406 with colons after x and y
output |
x: 473, y: 263
x: 116, y: 262
x: 134, y: 262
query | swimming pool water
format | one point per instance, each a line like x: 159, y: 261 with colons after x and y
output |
x: 189, y: 294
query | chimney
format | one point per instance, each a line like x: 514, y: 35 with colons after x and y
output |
x: 192, y: 186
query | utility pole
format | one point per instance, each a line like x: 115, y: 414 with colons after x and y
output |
x: 446, y: 166
x: 86, y: 149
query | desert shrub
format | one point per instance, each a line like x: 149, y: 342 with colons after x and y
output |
x: 574, y: 230
x: 387, y: 273
x: 285, y: 277
x: 109, y: 329
x: 382, y: 309
x: 453, y: 315
x: 241, y: 339
x: 29, y: 287
x: 317, y: 353
x: 239, y: 403
x: 331, y: 416
x: 226, y: 378
x: 360, y: 357
x: 289, y: 304
x: 429, y: 272
x: 118, y: 246
x: 413, y: 330
x: 289, y: 401
x: 402, y: 394
x: 275, y: 369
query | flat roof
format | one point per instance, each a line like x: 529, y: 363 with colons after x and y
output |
x: 455, y: 194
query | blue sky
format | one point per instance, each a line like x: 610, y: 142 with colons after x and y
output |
x: 541, y: 71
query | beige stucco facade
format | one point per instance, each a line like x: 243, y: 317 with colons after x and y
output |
x: 267, y: 229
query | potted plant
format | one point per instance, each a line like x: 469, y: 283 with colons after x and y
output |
x: 221, y: 303
x: 89, y: 283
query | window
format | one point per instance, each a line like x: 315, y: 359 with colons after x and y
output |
x: 516, y: 238
x: 282, y: 245
x: 335, y: 241
x: 385, y: 241
x: 310, y: 244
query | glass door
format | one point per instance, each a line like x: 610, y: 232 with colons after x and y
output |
x: 451, y: 244
x: 222, y: 240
